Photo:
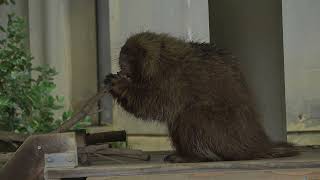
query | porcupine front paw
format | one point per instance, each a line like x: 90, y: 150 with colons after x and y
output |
x: 109, y: 78
x: 174, y: 158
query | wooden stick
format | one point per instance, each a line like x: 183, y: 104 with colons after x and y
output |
x: 12, y: 137
x: 84, y: 111
x: 104, y: 149
x: 109, y: 158
x: 4, y: 157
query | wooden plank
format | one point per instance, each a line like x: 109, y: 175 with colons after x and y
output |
x: 28, y: 160
x: 149, y: 143
x: 310, y: 159
x: 284, y: 174
x: 304, y: 138
x: 11, y: 136
x: 4, y: 157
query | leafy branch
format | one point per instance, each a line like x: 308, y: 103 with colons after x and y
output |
x: 26, y: 101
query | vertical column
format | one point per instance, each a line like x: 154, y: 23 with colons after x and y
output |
x: 253, y: 31
x: 104, y: 55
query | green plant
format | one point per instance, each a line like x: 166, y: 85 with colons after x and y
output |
x: 7, y: 2
x: 26, y: 101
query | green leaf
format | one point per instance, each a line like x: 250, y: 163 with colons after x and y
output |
x: 66, y: 115
x: 2, y: 29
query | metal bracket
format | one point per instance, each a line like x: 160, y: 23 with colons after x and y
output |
x: 65, y: 160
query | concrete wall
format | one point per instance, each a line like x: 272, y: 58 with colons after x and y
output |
x: 252, y: 30
x: 302, y: 69
x: 182, y: 18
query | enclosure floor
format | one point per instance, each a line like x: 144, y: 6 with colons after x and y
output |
x: 307, y: 162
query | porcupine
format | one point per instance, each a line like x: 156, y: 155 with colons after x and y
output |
x: 199, y: 92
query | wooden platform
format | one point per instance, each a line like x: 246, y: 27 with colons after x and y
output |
x: 303, y: 167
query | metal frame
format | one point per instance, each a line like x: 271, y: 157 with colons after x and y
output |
x: 104, y: 56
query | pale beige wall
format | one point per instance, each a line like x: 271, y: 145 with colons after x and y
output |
x: 302, y: 63
x: 49, y: 27
x: 83, y: 51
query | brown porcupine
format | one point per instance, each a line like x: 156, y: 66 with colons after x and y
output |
x: 199, y: 92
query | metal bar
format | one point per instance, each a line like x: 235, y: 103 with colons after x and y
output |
x: 104, y: 56
x: 304, y: 132
x: 104, y: 137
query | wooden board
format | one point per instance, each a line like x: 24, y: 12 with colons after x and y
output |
x: 305, y: 165
x: 29, y: 159
x: 283, y: 174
